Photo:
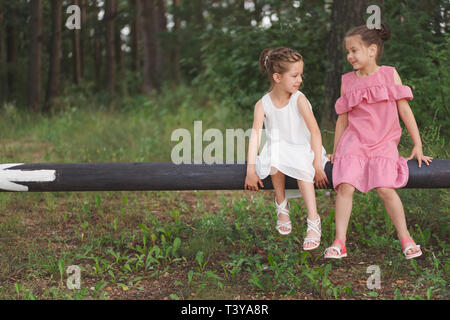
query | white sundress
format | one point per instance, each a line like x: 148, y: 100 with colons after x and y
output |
x: 288, y: 144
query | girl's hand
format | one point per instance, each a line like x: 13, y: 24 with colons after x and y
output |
x: 418, y: 153
x: 331, y: 157
x: 251, y: 182
x: 321, y: 179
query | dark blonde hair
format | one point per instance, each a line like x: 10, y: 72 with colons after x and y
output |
x: 276, y: 61
x: 371, y: 36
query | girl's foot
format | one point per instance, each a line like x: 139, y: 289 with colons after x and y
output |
x: 336, y: 251
x: 410, y: 248
x: 313, y: 233
x: 284, y: 226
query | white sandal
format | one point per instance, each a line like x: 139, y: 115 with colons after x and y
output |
x: 281, y: 224
x: 341, y: 252
x: 412, y: 246
x: 312, y: 225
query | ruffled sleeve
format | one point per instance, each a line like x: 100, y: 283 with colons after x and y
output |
x: 398, y: 92
x: 354, y: 97
x: 373, y: 94
x: 341, y: 105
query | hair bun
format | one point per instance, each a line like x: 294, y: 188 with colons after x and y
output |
x: 264, y: 59
x: 384, y: 32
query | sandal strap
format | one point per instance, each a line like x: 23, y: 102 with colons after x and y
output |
x: 284, y: 224
x: 333, y: 248
x: 308, y: 239
x: 406, y: 240
x: 281, y: 207
x: 314, y: 225
x: 339, y: 242
x: 409, y: 248
x: 339, y: 250
x: 412, y: 245
x: 282, y: 211
x: 316, y: 241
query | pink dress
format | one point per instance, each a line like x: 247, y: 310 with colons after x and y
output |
x: 367, y: 155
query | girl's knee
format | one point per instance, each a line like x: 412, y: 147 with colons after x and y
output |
x: 346, y: 189
x: 275, y: 173
x: 386, y: 193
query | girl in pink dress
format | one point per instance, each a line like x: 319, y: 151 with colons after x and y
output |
x: 368, y: 131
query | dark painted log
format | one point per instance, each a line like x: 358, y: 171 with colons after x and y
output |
x: 123, y: 176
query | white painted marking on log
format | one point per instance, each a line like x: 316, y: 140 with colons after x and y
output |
x: 7, y: 176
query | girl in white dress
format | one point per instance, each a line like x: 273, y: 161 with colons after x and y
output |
x: 294, y: 143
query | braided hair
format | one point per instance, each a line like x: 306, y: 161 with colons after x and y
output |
x: 276, y: 61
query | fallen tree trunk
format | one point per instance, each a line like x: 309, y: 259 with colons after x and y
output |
x: 139, y: 176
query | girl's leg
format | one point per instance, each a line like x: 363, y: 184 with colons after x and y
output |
x: 344, y: 204
x: 309, y: 197
x: 394, y: 208
x: 278, y: 182
x: 344, y: 199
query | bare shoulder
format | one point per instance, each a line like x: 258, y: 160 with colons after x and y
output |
x: 305, y: 109
x: 303, y: 103
x: 259, y: 108
x: 397, y: 79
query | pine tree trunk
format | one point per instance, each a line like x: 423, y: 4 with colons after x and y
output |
x: 110, y: 45
x: 11, y: 53
x: 97, y: 49
x: 76, y: 52
x: 55, y: 54
x: 176, y: 54
x: 160, y: 25
x: 3, y: 85
x: 136, y: 35
x: 35, y: 75
x: 83, y: 35
x: 118, y: 44
x: 149, y: 45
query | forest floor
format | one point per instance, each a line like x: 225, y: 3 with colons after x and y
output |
x: 196, y: 245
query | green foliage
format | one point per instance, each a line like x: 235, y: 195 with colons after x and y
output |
x: 231, y: 53
x: 219, y: 43
x: 419, y: 50
x: 432, y: 90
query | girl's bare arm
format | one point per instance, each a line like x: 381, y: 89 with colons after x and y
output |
x: 407, y: 116
x: 316, y: 140
x: 341, y: 125
x: 252, y: 180
x: 255, y: 137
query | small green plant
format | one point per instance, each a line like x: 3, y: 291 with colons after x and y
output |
x: 319, y: 281
x: 261, y: 279
x: 23, y: 293
x: 199, y: 257
x: 231, y: 269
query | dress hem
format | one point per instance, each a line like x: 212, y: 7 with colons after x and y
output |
x: 387, y: 173
x: 369, y: 189
x: 276, y: 167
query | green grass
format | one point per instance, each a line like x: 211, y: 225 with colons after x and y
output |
x: 231, y: 251
x: 139, y: 129
x: 193, y: 244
